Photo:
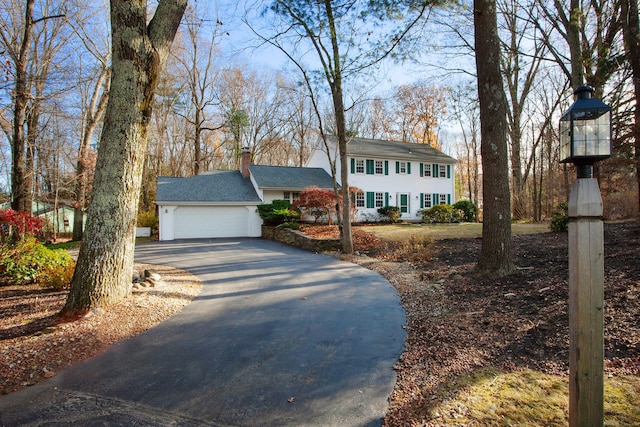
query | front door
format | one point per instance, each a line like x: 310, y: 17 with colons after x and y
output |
x: 404, y: 203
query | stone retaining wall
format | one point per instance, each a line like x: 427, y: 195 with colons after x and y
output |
x: 299, y: 239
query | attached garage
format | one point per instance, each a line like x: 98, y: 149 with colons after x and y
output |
x: 221, y: 204
x: 202, y: 221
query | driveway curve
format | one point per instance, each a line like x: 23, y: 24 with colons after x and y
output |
x: 279, y: 336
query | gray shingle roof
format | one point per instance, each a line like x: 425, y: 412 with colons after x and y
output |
x: 291, y: 178
x: 376, y: 148
x: 216, y: 186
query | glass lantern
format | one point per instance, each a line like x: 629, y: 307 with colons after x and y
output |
x: 585, y: 130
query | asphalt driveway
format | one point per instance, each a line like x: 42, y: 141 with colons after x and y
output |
x: 278, y: 336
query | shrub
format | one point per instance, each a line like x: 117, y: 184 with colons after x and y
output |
x: 318, y: 203
x: 18, y: 225
x: 29, y: 261
x: 441, y: 214
x: 560, y: 218
x: 277, y: 212
x: 390, y: 213
x: 148, y: 219
x: 468, y: 208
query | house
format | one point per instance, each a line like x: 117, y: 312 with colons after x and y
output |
x: 388, y: 173
x: 223, y: 203
x: 57, y: 218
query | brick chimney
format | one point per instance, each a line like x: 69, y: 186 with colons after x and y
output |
x: 245, y: 161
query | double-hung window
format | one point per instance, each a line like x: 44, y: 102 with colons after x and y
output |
x: 443, y: 199
x: 359, y: 165
x: 427, y: 201
x: 379, y: 200
x: 426, y: 169
x: 402, y: 168
x: 379, y: 167
x: 360, y: 203
x: 443, y: 171
x: 291, y: 196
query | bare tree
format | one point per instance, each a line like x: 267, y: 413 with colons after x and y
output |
x: 139, y: 52
x: 31, y: 56
x: 197, y: 60
x: 495, y: 255
x: 631, y: 31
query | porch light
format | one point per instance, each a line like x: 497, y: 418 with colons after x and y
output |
x: 585, y: 132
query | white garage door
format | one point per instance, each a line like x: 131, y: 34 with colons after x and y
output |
x: 205, y: 221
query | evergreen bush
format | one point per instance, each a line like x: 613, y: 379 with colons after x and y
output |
x: 468, y: 208
x: 441, y: 214
x: 390, y: 213
x: 560, y: 218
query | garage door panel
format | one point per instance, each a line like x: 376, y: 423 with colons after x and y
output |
x: 206, y: 222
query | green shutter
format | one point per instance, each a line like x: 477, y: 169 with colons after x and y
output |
x: 421, y: 169
x: 371, y: 200
x: 386, y: 199
x: 353, y: 165
x: 448, y: 171
x: 408, y: 168
x: 386, y: 167
x: 370, y: 167
x: 434, y: 199
x: 435, y: 173
x: 421, y: 200
x: 448, y: 199
x: 397, y: 167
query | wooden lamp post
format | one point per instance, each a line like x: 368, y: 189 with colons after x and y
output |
x: 585, y: 137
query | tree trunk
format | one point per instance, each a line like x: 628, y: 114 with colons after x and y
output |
x: 631, y: 32
x: 341, y: 127
x: 105, y: 263
x: 19, y: 190
x: 495, y: 256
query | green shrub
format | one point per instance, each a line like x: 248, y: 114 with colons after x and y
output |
x: 29, y: 261
x: 390, y: 213
x: 560, y: 218
x: 468, y: 208
x: 441, y: 214
x: 277, y: 212
x: 148, y: 219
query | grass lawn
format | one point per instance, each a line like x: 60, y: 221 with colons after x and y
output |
x: 399, y: 232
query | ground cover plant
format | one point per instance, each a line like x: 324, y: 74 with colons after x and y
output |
x: 495, y: 352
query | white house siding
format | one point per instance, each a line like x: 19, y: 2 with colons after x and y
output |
x: 410, y: 187
x: 187, y: 222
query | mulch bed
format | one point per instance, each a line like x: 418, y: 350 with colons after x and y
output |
x: 459, y: 320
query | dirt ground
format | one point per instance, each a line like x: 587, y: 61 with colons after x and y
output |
x: 459, y: 320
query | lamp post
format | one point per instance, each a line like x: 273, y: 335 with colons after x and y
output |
x: 585, y: 138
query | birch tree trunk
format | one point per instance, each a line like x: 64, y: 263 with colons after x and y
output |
x: 495, y: 255
x: 139, y: 51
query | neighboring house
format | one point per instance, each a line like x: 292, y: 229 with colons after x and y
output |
x: 60, y: 219
x: 410, y: 176
x: 223, y: 203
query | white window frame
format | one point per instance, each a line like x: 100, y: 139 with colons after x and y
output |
x: 378, y: 167
x: 402, y: 168
x: 360, y: 169
x: 426, y: 170
x: 379, y: 200
x: 360, y: 200
x: 443, y: 199
x: 427, y: 201
x: 291, y: 196
x: 442, y: 171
